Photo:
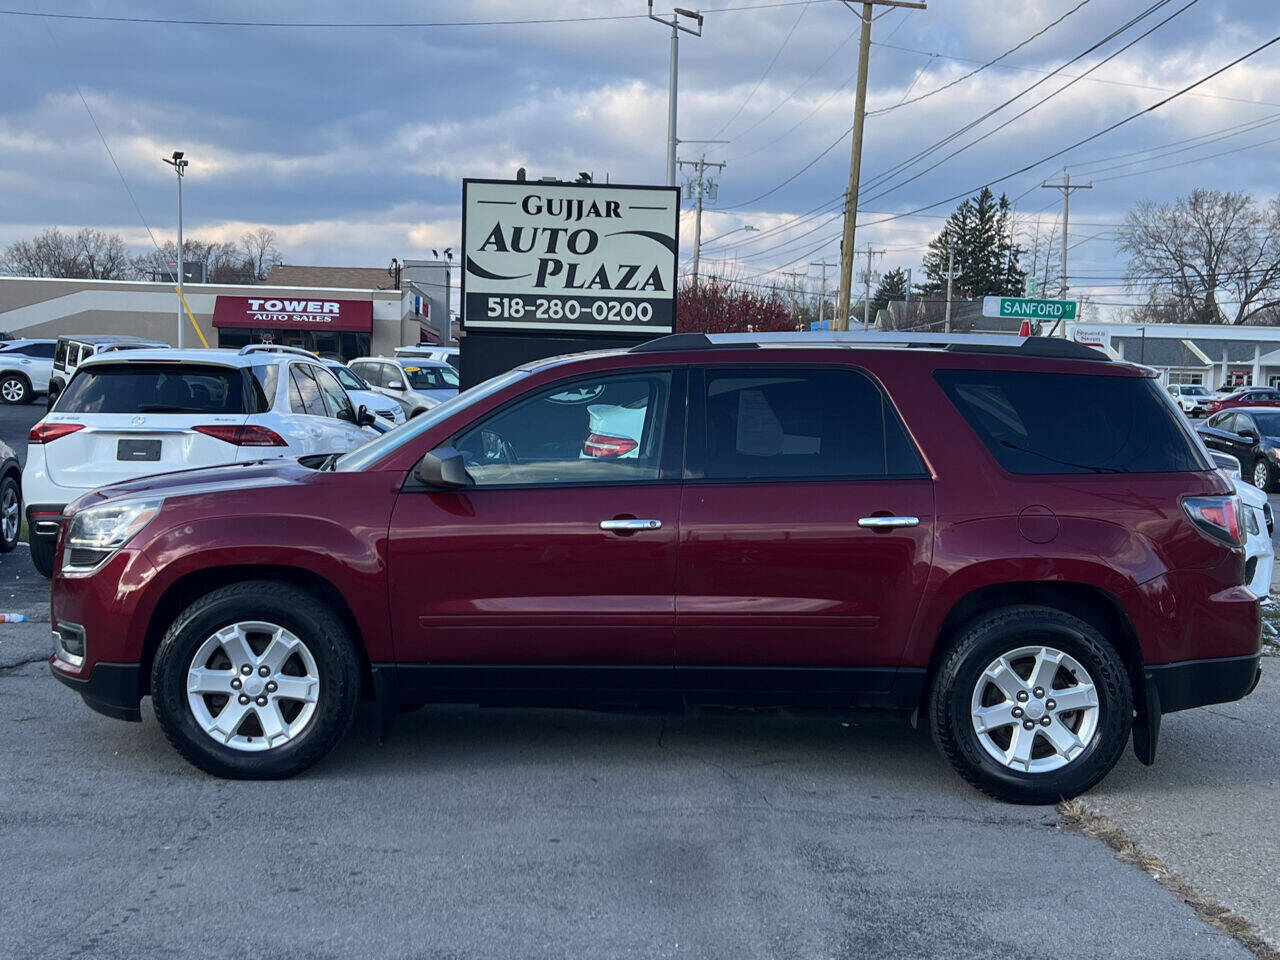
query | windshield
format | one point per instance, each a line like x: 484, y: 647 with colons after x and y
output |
x: 1195, y: 391
x: 1268, y: 424
x: 348, y: 379
x: 393, y: 440
x: 430, y: 378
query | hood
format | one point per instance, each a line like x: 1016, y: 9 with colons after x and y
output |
x: 203, y: 480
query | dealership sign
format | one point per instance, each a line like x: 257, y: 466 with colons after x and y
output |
x: 565, y: 256
x: 1025, y: 308
x: 1092, y: 336
x: 288, y: 313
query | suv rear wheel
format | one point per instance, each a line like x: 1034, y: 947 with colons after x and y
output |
x: 256, y: 681
x: 1031, y: 705
x: 15, y: 388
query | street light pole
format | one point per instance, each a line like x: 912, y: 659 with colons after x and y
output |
x: 180, y: 166
x: 673, y: 78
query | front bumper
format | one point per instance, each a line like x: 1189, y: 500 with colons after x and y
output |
x: 111, y: 689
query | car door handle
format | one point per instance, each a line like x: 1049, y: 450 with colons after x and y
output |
x: 630, y: 525
x: 888, y: 523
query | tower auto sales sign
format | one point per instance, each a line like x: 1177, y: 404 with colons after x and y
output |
x: 564, y: 256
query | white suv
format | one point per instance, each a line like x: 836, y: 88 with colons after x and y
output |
x: 25, y: 367
x: 141, y: 412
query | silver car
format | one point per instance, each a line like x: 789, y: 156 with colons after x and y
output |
x: 362, y: 394
x: 417, y: 384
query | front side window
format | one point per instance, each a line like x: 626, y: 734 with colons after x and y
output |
x: 335, y: 397
x: 1051, y: 423
x: 776, y: 423
x: 304, y: 393
x: 596, y: 430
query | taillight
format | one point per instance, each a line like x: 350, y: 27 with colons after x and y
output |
x: 49, y: 432
x: 1219, y: 517
x: 243, y: 435
x: 603, y: 445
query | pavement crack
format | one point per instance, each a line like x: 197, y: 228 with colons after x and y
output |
x: 6, y: 668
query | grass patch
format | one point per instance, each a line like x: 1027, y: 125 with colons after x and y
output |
x: 1076, y: 816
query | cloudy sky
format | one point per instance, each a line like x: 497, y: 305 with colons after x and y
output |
x: 351, y: 141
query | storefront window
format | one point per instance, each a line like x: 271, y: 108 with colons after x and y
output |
x: 337, y: 345
x: 1195, y: 377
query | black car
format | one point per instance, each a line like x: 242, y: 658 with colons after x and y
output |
x: 1250, y: 435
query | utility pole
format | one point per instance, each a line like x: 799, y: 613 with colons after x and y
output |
x: 673, y: 77
x: 180, y: 166
x: 795, y: 276
x: 1066, y: 186
x: 951, y: 272
x: 699, y: 187
x: 855, y: 157
x: 822, y: 299
x: 866, y: 300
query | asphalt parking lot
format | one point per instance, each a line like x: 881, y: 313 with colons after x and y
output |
x: 556, y: 833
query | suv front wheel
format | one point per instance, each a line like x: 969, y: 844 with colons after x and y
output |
x: 1031, y: 705
x: 256, y: 681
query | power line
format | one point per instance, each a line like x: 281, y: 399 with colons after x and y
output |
x: 1213, y: 136
x: 1183, y: 163
x: 990, y: 63
x: 405, y: 24
x: 777, y: 53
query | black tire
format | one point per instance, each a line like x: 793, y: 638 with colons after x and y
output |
x: 10, y: 497
x: 51, y: 397
x: 15, y: 389
x: 999, y: 633
x: 42, y: 550
x: 296, y: 610
x: 417, y: 413
x: 1268, y: 476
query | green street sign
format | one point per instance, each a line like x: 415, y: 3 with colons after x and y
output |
x: 1025, y: 308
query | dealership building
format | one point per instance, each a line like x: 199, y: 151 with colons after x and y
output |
x: 1212, y: 355
x: 345, y: 312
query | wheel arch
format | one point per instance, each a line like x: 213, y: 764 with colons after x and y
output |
x: 21, y: 376
x: 1091, y: 604
x: 192, y: 586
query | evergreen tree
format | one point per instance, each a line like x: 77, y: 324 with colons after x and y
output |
x: 893, y: 286
x: 980, y: 233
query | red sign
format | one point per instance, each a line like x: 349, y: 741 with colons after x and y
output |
x: 287, y: 313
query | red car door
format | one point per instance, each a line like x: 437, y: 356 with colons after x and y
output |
x: 556, y: 568
x: 806, y: 534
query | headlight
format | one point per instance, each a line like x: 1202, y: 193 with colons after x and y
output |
x: 98, y: 532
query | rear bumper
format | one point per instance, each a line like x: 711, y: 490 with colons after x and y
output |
x: 111, y: 689
x: 1198, y: 683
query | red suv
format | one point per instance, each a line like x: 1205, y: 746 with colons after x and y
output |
x: 1022, y: 543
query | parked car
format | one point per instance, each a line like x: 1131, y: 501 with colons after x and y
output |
x: 145, y: 412
x: 1191, y: 398
x: 10, y: 498
x: 1246, y: 397
x: 426, y: 351
x: 1259, y: 549
x: 25, y: 368
x: 1252, y: 436
x: 1019, y: 541
x: 417, y: 385
x: 362, y: 394
x: 70, y: 352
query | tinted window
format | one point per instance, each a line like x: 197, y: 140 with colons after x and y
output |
x: 40, y: 351
x: 304, y: 393
x: 774, y: 424
x: 335, y: 398
x: 1268, y: 424
x: 60, y: 355
x: 1043, y: 423
x: 162, y: 388
x: 603, y: 429
x: 267, y: 377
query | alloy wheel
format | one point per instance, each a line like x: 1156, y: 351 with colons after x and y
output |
x: 13, y: 390
x: 1035, y: 709
x: 10, y: 514
x: 1261, y: 475
x: 253, y: 686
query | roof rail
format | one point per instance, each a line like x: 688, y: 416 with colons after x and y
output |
x: 959, y: 342
x: 276, y: 348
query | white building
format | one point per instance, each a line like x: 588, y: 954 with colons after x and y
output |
x: 1212, y: 355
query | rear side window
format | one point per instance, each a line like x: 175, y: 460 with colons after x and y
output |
x: 1047, y: 423
x: 772, y: 423
x: 159, y: 388
x: 60, y: 355
x: 304, y: 393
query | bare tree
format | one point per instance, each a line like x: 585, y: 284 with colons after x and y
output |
x: 85, y: 254
x: 260, y: 252
x: 1211, y: 257
x: 1043, y: 245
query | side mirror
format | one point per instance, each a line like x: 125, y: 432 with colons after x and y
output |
x: 395, y: 385
x: 443, y: 467
x: 363, y: 417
